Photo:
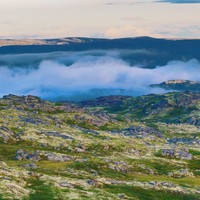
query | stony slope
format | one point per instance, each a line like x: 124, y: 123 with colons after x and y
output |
x: 109, y: 148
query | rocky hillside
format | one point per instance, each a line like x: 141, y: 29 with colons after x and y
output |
x: 113, y: 147
x: 180, y: 85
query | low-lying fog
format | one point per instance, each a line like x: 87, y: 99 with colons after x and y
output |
x: 83, y: 75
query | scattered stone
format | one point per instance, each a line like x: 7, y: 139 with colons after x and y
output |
x: 94, y: 172
x: 31, y: 166
x: 181, y: 173
x: 139, y: 132
x: 94, y: 183
x: 119, y: 166
x: 66, y: 184
x: 33, y: 120
x: 57, y: 157
x: 184, y: 141
x: 24, y: 155
x: 34, y: 174
x: 122, y: 196
x: 80, y: 148
x: 177, y: 153
x: 57, y: 134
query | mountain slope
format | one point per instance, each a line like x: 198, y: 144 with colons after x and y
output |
x: 109, y: 148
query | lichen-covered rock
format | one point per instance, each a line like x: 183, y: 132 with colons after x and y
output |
x: 119, y: 166
x: 177, y: 153
x: 57, y: 134
x: 139, y: 132
x: 181, y: 173
x: 31, y: 166
x: 25, y: 155
x: 66, y: 185
x: 58, y: 157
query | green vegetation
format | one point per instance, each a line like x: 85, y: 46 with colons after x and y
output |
x: 109, y: 148
x: 142, y: 194
x: 42, y: 191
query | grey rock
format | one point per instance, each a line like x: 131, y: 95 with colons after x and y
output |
x: 55, y: 157
x: 139, y: 132
x: 66, y: 184
x: 59, y: 135
x: 24, y: 155
x: 31, y: 166
x: 184, y: 141
x: 177, y: 153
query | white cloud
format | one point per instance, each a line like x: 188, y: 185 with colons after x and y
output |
x: 53, y: 79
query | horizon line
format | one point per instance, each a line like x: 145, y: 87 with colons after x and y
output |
x: 103, y: 38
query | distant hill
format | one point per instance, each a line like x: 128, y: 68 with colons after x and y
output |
x: 180, y: 85
x: 145, y: 51
x: 173, y: 107
x: 27, y: 42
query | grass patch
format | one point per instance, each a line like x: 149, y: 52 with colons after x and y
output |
x: 194, y: 165
x: 195, y: 152
x: 142, y: 194
x: 162, y: 168
x: 92, y: 164
x: 42, y: 191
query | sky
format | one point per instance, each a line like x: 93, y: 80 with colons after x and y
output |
x: 99, y: 18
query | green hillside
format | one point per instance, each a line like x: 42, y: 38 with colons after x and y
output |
x: 113, y: 147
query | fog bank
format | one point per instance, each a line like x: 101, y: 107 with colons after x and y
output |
x: 87, y: 76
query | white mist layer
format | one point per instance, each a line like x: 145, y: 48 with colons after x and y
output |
x: 96, y: 77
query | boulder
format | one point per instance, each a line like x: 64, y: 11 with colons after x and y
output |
x: 177, y: 153
x: 24, y: 155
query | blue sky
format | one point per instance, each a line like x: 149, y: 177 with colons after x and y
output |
x: 99, y: 18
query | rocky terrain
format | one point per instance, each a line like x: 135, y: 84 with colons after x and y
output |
x: 115, y: 147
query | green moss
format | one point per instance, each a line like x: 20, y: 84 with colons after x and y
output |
x: 43, y: 191
x: 194, y: 165
x: 195, y: 152
x: 90, y: 164
x: 117, y: 175
x: 159, y: 166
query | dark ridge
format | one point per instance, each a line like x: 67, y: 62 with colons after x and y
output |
x: 162, y: 50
